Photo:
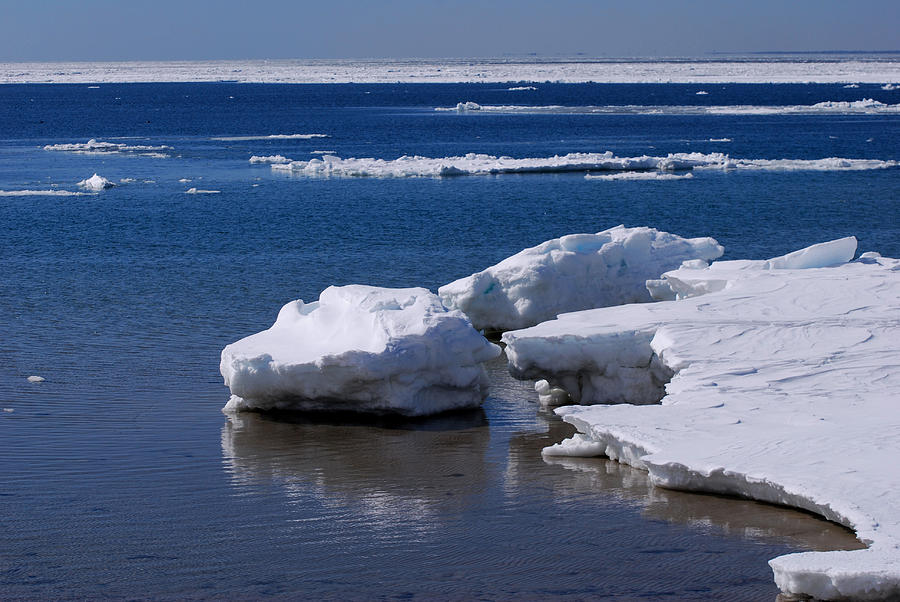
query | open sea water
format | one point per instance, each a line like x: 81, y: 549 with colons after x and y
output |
x: 120, y: 477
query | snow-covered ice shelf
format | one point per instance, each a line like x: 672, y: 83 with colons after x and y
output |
x: 363, y: 349
x: 782, y: 387
x: 803, y: 69
x: 578, y: 271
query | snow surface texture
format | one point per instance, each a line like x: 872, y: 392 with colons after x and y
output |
x: 783, y: 387
x: 865, y: 106
x: 361, y: 348
x: 479, y: 164
x: 94, y: 147
x: 96, y: 183
x: 574, y: 272
x: 705, y: 71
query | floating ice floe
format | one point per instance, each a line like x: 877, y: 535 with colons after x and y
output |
x: 35, y: 379
x: 96, y: 183
x: 480, y: 164
x: 269, y: 159
x: 570, y: 273
x: 777, y: 381
x: 364, y: 349
x: 270, y: 137
x: 702, y: 93
x: 93, y: 146
x: 41, y: 193
x: 521, y: 88
x: 655, y: 176
x: 891, y: 87
x: 864, y: 106
x: 193, y: 190
x: 720, y: 140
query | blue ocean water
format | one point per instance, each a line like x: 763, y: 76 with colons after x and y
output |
x: 120, y: 477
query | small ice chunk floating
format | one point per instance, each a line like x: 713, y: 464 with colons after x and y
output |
x: 571, y: 273
x: 778, y: 382
x: 96, y: 182
x: 364, y: 349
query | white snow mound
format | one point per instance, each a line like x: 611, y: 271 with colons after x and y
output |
x: 96, y: 182
x: 361, y: 348
x: 782, y: 388
x: 574, y: 272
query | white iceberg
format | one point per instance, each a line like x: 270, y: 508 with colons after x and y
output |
x: 193, y: 190
x: 781, y: 387
x: 577, y: 271
x: 364, y: 349
x: 96, y: 182
x: 481, y: 164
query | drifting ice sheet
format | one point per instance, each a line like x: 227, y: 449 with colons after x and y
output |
x: 866, y: 106
x: 784, y: 390
x: 269, y: 159
x: 653, y: 176
x: 479, y: 164
x: 361, y: 348
x: 578, y: 271
x: 93, y: 146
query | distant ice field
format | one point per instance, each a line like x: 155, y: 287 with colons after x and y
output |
x: 884, y: 69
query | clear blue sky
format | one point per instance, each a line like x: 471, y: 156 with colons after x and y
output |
x: 47, y: 30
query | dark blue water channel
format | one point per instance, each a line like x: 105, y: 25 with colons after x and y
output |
x: 119, y: 477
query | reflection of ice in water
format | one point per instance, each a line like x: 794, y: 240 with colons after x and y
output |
x: 732, y: 516
x: 394, y: 472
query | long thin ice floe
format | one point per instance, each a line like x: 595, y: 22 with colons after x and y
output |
x: 782, y: 387
x: 866, y: 106
x: 653, y: 176
x: 270, y: 137
x: 51, y: 192
x: 93, y: 146
x: 573, y: 272
x: 480, y: 164
x: 269, y: 159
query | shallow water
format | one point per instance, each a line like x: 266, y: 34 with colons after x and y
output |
x: 119, y: 477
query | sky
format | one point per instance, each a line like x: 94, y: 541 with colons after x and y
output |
x: 60, y: 30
